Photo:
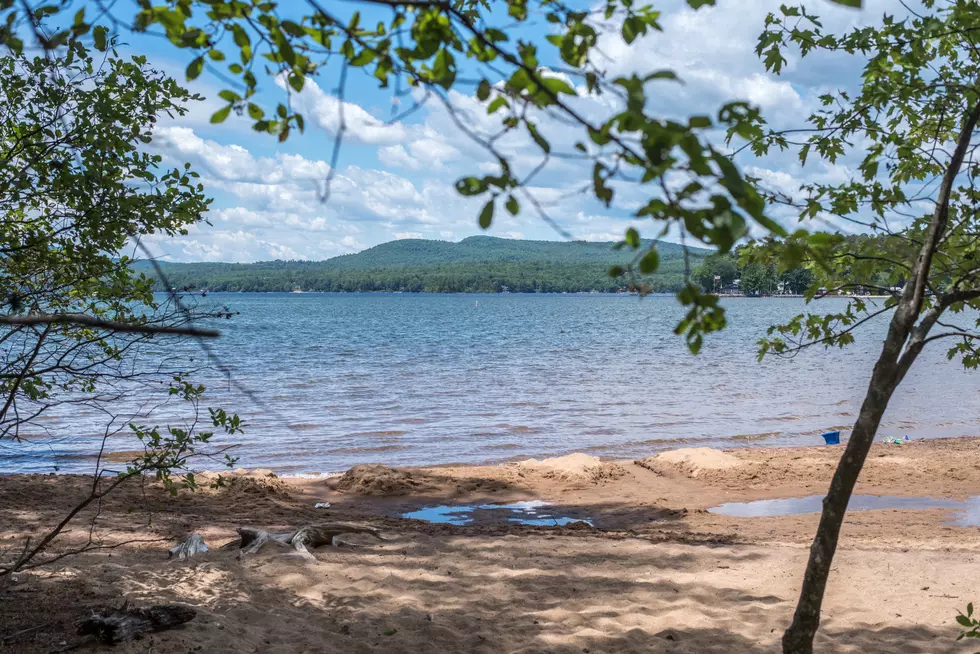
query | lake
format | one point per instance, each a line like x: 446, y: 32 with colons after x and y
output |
x: 410, y: 379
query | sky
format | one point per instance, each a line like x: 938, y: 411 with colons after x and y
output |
x: 396, y: 180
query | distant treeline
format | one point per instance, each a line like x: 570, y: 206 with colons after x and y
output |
x: 750, y: 279
x: 488, y: 277
x: 479, y: 264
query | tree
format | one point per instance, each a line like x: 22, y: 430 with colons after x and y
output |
x: 797, y: 280
x: 758, y: 279
x: 722, y: 267
x: 76, y: 186
x: 912, y: 126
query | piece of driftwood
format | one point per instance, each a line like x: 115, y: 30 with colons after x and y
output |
x: 310, y: 536
x: 194, y: 544
x: 119, y: 625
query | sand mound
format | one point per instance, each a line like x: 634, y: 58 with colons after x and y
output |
x: 691, y: 461
x: 244, y: 482
x: 377, y: 479
x: 573, y: 466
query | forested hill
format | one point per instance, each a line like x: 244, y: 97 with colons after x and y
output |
x: 475, y: 264
x: 480, y: 249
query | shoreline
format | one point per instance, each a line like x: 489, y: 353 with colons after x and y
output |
x: 648, y: 575
x: 728, y: 445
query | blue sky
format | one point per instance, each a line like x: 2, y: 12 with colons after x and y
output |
x: 396, y: 180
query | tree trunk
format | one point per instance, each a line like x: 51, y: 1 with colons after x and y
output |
x: 798, y: 639
x: 888, y: 373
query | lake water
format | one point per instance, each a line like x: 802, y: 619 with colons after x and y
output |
x: 427, y: 379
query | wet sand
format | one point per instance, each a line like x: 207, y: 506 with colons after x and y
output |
x: 656, y: 573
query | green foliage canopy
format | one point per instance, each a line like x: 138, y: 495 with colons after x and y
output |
x: 76, y: 186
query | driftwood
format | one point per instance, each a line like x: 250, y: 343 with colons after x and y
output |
x: 119, y: 625
x: 312, y: 536
x: 194, y: 544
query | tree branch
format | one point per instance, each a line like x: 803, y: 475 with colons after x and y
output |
x: 85, y: 320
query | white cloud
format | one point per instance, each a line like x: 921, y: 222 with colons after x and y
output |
x: 404, y: 235
x: 234, y: 162
x: 324, y: 110
x: 395, y: 156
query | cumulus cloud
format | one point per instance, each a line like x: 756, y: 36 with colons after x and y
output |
x: 234, y: 162
x: 324, y: 110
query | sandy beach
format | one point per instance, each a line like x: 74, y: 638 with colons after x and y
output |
x: 655, y: 571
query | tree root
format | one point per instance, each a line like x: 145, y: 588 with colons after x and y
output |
x: 193, y: 545
x: 310, y: 536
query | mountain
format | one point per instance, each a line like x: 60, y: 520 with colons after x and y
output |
x: 475, y: 264
x: 479, y: 249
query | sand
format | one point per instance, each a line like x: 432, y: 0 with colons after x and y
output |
x: 691, y: 461
x: 658, y: 573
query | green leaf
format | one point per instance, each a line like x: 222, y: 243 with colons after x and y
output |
x: 444, y: 69
x: 486, y: 215
x: 229, y: 96
x: 632, y: 238
x: 633, y: 27
x: 363, y: 58
x: 512, y: 205
x: 964, y: 621
x: 195, y: 67
x: 650, y: 262
x: 470, y: 186
x: 497, y: 103
x: 240, y: 35
x: 220, y: 115
x: 216, y: 55
x: 483, y: 90
x: 540, y: 140
x: 99, y: 34
x: 857, y: 4
x: 296, y: 81
x: 697, y: 4
x: 616, y: 271
x: 557, y: 85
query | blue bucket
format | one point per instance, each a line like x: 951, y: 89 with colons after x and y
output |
x: 832, y: 437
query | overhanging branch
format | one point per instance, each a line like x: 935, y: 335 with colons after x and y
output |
x: 84, y: 320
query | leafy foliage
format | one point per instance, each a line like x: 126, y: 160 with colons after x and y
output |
x: 76, y: 187
x: 918, y: 93
x: 970, y: 624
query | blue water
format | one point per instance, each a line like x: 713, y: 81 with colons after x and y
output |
x: 525, y: 513
x: 967, y: 514
x: 325, y: 381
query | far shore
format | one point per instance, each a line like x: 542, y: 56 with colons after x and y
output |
x: 642, y: 566
x: 495, y: 293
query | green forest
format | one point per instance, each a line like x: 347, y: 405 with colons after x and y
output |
x: 479, y: 264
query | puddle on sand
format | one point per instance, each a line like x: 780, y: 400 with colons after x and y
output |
x: 968, y: 514
x: 533, y: 512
